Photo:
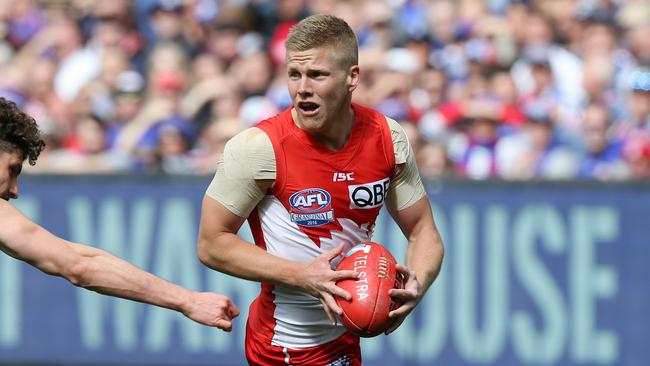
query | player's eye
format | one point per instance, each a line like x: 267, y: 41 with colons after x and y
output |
x: 316, y: 74
x: 15, y: 170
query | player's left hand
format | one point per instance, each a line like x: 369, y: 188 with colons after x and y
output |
x: 211, y: 309
x: 409, y: 297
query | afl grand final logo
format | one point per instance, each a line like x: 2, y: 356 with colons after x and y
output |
x: 311, y: 207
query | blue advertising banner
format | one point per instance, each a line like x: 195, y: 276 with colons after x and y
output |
x: 533, y: 275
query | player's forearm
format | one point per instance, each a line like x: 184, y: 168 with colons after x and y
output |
x: 99, y: 271
x: 424, y: 255
x: 234, y: 256
x: 425, y: 249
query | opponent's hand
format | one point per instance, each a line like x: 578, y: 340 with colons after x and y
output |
x: 211, y: 309
x: 319, y: 280
x: 409, y: 297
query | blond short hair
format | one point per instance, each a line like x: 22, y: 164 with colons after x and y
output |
x: 325, y: 31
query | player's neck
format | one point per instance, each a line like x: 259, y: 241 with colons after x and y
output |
x: 337, y: 136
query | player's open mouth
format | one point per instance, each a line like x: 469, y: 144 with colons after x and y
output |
x: 308, y: 108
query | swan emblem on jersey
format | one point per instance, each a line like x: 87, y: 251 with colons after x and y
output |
x: 311, y: 207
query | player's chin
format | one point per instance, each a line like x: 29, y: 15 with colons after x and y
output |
x: 312, y: 124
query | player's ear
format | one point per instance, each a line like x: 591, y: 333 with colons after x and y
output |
x: 353, y: 77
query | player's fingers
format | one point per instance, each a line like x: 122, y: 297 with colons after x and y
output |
x: 401, y: 311
x: 334, y: 252
x: 394, y: 326
x: 328, y: 311
x: 329, y: 300
x: 403, y: 295
x: 401, y: 268
x: 226, y: 325
x: 337, y: 291
x: 405, y: 271
x: 233, y: 310
x: 342, y: 274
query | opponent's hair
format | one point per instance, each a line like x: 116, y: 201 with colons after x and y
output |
x: 19, y: 131
x: 322, y: 31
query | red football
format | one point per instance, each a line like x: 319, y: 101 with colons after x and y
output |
x: 366, y: 315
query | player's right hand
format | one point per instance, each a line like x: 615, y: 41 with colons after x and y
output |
x: 319, y: 280
x: 211, y: 309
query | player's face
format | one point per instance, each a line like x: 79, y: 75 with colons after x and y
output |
x: 320, y: 88
x: 11, y: 164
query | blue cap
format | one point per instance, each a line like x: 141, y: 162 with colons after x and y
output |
x: 537, y: 54
x: 641, y: 81
x: 172, y: 6
x: 538, y: 111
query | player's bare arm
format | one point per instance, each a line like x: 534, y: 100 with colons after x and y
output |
x: 423, y: 258
x: 409, y: 206
x: 99, y: 271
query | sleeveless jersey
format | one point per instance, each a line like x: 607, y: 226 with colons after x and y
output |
x: 320, y: 199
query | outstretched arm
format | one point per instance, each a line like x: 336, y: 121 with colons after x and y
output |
x: 99, y: 271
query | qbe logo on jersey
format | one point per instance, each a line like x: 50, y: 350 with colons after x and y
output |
x: 368, y: 195
x: 311, y: 207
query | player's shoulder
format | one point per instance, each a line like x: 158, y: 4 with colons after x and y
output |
x: 397, y: 133
x: 400, y: 140
x: 396, y: 130
x: 8, y: 208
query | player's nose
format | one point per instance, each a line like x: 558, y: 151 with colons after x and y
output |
x: 304, y: 86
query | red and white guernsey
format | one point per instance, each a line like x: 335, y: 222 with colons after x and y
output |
x: 320, y: 199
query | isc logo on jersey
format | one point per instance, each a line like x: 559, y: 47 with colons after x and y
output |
x: 368, y: 195
x: 311, y: 207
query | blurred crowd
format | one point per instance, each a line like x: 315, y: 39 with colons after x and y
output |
x: 485, y: 89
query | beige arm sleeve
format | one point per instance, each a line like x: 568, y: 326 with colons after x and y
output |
x: 406, y: 187
x: 247, y: 157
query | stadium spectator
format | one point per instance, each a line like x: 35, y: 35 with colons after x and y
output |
x: 127, y: 99
x: 60, y: 59
x: 634, y: 127
x: 603, y: 155
x: 433, y: 161
x: 211, y: 143
x: 171, y: 142
x: 536, y: 151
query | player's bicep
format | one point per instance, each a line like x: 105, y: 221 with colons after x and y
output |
x: 27, y: 241
x: 414, y: 218
x: 217, y: 230
x: 217, y: 219
x: 17, y: 233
